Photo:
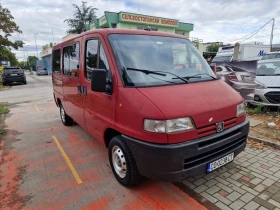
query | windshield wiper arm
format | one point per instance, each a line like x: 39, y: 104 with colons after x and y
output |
x: 203, y: 74
x: 146, y: 71
x: 161, y: 73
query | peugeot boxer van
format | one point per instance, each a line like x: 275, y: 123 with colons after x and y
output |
x: 152, y: 100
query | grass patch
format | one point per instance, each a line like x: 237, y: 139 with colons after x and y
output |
x: 3, y: 110
x: 257, y: 110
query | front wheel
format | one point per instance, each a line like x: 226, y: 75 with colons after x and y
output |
x: 66, y: 120
x: 122, y: 163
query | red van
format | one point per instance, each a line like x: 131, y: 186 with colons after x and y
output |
x: 152, y: 100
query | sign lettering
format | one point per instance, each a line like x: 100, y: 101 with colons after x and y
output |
x: 148, y: 19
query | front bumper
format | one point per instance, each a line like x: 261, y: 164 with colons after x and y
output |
x: 263, y: 100
x: 174, y: 162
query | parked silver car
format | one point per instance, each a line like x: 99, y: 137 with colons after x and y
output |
x: 267, y: 90
x: 271, y: 55
x: 42, y: 71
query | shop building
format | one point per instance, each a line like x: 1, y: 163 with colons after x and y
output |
x: 141, y: 22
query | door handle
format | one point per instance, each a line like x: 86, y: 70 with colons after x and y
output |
x: 84, y: 90
x: 79, y: 89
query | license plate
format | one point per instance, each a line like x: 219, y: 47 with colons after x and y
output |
x: 248, y: 79
x: 13, y: 74
x: 218, y: 163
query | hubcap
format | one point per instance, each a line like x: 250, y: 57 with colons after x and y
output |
x: 119, y: 161
x: 62, y: 113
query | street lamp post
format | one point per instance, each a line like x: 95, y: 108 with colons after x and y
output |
x: 36, y: 45
x: 52, y: 35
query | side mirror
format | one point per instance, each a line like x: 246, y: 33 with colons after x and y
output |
x: 98, y: 80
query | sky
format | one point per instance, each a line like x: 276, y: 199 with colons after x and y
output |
x: 214, y: 20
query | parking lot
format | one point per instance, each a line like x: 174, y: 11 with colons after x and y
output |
x: 45, y: 165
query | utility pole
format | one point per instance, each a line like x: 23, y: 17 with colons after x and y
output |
x: 36, y: 45
x: 52, y: 35
x: 271, y: 37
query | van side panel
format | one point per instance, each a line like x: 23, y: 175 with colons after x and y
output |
x: 72, y: 79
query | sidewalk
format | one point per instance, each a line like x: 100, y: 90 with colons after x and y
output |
x: 250, y: 182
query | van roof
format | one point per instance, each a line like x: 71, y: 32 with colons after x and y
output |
x: 108, y: 31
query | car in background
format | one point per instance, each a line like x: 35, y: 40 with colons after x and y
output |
x: 239, y: 79
x: 271, y: 55
x: 42, y: 71
x: 267, y: 90
x: 13, y: 74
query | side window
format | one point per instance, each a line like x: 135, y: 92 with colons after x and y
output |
x: 74, y: 52
x: 56, y: 61
x: 91, y: 56
x: 66, y: 59
x: 103, y: 62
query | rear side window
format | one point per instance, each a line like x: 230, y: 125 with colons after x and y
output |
x: 56, y: 61
x: 71, y: 56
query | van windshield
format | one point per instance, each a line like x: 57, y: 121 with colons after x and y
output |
x: 140, y: 56
x: 222, y: 59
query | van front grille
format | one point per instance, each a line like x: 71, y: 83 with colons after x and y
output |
x: 273, y: 97
x: 213, y: 154
x: 211, y: 129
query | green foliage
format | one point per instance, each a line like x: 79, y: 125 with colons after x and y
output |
x: 7, y: 55
x: 83, y: 15
x: 213, y: 48
x: 7, y: 27
x: 3, y: 108
x: 257, y: 110
x: 31, y: 60
x: 21, y: 64
x: 47, y: 46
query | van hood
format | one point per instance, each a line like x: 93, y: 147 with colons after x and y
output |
x: 200, y: 101
x: 269, y: 81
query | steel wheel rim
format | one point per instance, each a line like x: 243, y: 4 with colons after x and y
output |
x: 119, y: 162
x: 62, y: 114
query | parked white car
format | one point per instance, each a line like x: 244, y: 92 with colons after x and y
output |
x: 267, y: 90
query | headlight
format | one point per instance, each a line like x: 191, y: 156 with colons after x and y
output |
x: 260, y: 85
x: 168, y: 126
x: 240, y: 109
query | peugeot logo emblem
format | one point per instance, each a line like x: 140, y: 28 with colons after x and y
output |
x: 220, y: 126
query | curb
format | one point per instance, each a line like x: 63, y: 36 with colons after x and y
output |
x: 266, y: 142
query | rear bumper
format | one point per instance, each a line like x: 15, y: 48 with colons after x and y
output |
x: 14, y: 79
x: 174, y: 162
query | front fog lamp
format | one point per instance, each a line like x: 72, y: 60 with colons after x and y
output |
x: 240, y: 109
x: 168, y: 126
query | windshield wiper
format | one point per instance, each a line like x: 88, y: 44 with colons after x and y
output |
x: 161, y: 73
x: 197, y: 76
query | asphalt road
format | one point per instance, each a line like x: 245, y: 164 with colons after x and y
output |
x: 45, y: 165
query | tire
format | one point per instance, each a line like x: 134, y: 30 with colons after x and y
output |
x: 4, y: 83
x: 66, y: 120
x: 122, y: 163
x: 24, y: 82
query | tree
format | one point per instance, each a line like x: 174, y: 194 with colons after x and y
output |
x: 31, y: 61
x: 7, y: 27
x: 84, y: 15
x: 7, y: 55
x: 21, y: 64
x: 47, y: 46
x: 213, y: 48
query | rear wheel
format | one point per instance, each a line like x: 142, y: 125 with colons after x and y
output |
x: 122, y: 163
x: 66, y: 120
